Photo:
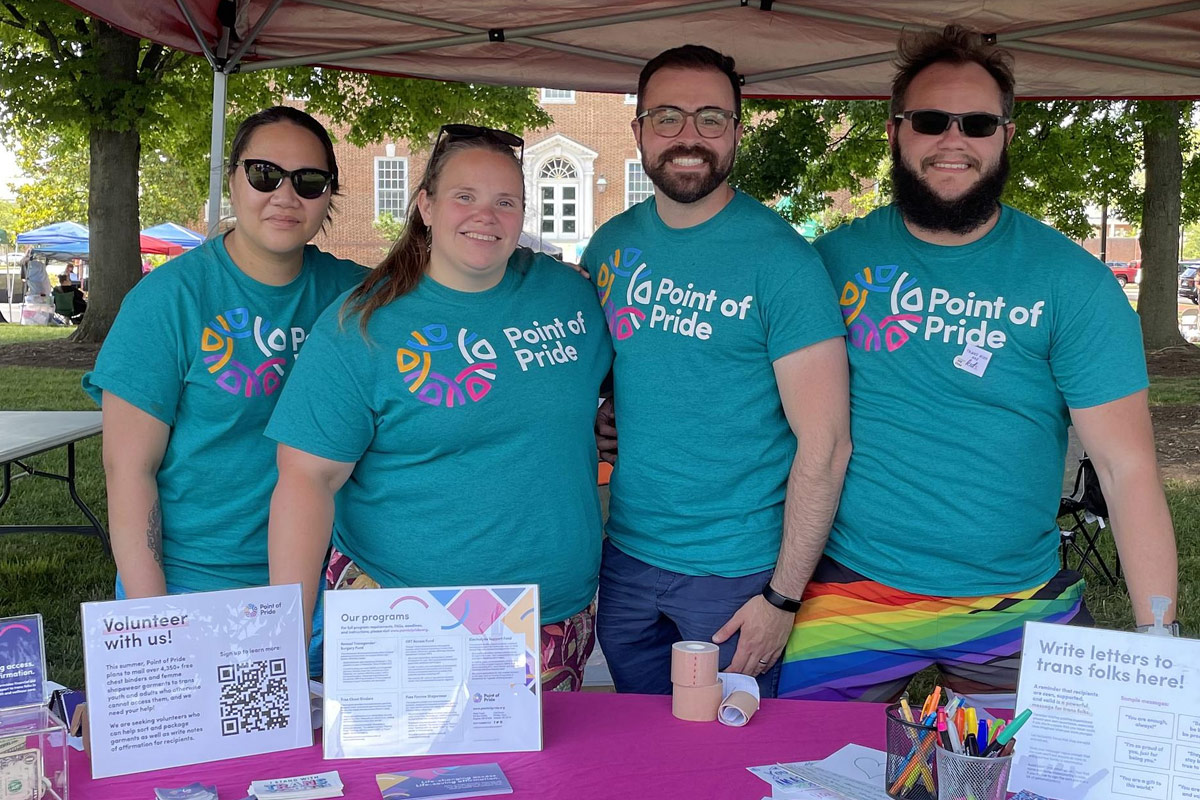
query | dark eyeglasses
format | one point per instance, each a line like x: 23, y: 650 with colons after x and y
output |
x: 668, y: 121
x: 309, y: 183
x: 974, y: 124
x: 459, y: 131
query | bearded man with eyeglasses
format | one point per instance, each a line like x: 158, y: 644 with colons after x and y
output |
x: 976, y: 335
x: 728, y: 352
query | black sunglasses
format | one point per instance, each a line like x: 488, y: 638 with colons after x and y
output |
x: 459, y: 131
x: 309, y: 182
x: 974, y: 124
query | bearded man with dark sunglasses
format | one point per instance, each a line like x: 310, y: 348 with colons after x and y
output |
x: 976, y: 335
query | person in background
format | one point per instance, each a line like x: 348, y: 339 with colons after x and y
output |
x: 430, y: 397
x: 196, y: 359
x: 78, y: 303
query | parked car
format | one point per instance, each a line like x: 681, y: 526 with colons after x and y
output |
x: 1187, y: 283
x: 1124, y: 271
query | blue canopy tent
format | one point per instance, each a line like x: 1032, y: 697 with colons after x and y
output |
x: 57, y: 236
x: 175, y: 234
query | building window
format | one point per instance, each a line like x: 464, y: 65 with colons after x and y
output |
x: 631, y: 99
x: 637, y: 185
x: 391, y: 187
x: 558, y: 198
x: 558, y: 95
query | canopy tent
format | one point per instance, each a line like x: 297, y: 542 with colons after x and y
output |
x: 55, y: 235
x: 175, y: 234
x: 71, y: 239
x: 784, y: 48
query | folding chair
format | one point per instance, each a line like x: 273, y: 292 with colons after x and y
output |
x: 1086, y: 512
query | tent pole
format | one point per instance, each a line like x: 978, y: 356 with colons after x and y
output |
x: 216, y: 159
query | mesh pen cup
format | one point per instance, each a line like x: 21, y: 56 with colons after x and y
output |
x: 910, y: 754
x: 961, y: 776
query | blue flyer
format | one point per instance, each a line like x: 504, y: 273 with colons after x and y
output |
x: 22, y: 662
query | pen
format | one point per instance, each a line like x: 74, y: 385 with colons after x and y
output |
x: 905, y: 711
x: 952, y: 729
x: 943, y: 732
x: 970, y: 740
x: 983, y: 739
x: 1005, y: 736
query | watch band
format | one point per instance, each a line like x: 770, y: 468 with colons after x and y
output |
x: 780, y: 601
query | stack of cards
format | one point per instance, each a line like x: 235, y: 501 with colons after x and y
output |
x: 193, y: 791
x: 304, y: 787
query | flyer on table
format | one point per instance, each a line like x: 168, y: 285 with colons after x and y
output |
x: 22, y: 662
x: 187, y: 679
x: 1114, y: 715
x: 432, y: 671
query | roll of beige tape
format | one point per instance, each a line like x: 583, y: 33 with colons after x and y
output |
x: 696, y: 703
x: 737, y: 709
x: 694, y: 663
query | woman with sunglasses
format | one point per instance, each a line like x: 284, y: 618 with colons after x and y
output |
x: 194, y: 363
x: 448, y: 402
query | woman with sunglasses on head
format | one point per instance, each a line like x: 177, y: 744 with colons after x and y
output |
x: 448, y: 402
x: 194, y: 363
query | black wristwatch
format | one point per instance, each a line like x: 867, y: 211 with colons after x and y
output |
x: 780, y: 601
x: 1172, y: 628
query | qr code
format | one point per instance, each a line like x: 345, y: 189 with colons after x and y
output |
x: 254, y: 696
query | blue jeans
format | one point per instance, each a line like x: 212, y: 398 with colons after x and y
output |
x: 315, y: 644
x: 643, y: 610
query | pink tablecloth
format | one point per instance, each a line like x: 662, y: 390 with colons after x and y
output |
x: 601, y: 746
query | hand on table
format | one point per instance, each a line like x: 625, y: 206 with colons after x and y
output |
x: 764, y: 632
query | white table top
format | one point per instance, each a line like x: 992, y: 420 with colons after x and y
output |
x: 25, y: 433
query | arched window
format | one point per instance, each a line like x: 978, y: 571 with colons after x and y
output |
x: 558, y: 193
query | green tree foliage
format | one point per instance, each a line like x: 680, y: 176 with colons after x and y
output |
x: 806, y: 151
x: 71, y: 87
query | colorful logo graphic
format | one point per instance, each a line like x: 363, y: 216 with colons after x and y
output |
x: 250, y: 611
x: 472, y: 381
x: 893, y: 330
x: 623, y: 321
x: 235, y: 377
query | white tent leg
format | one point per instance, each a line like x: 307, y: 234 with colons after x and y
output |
x: 216, y: 162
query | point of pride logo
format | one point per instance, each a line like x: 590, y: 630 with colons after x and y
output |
x: 476, y: 366
x: 218, y: 339
x: 622, y: 322
x: 892, y: 331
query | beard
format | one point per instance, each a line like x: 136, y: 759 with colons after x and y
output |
x: 689, y: 187
x: 922, y: 207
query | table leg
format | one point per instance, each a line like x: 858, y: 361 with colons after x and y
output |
x: 94, y: 529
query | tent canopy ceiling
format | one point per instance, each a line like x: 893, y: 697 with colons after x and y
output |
x: 784, y: 48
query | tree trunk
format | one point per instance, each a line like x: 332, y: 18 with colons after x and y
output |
x: 1157, y: 304
x: 115, y: 264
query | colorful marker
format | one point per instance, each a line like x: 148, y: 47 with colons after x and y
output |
x: 1005, y: 736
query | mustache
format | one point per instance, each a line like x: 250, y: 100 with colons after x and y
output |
x: 686, y: 151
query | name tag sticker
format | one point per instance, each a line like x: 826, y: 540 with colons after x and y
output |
x: 973, y: 360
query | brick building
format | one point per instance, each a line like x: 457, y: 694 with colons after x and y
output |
x: 579, y: 172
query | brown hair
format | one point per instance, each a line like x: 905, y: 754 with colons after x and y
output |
x: 402, y: 268
x: 692, y: 56
x: 954, y: 44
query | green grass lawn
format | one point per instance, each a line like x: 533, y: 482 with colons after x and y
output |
x: 53, y: 573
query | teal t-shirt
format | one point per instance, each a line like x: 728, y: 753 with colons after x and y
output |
x: 698, y: 316
x: 470, y: 416
x: 206, y: 349
x: 954, y: 482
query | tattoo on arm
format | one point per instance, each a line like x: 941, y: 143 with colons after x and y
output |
x: 154, y: 532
